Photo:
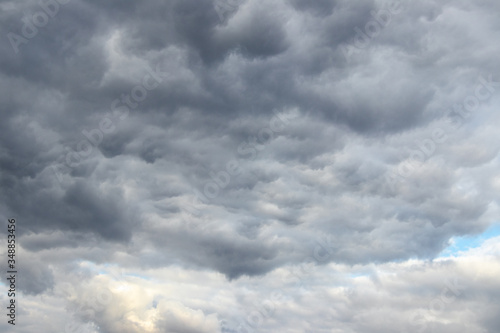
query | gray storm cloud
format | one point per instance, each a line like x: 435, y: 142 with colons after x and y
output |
x: 238, y: 138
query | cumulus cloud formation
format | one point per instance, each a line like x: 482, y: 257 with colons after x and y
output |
x: 251, y: 166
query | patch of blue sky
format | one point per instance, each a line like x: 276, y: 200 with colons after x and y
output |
x: 138, y: 276
x: 357, y: 275
x: 465, y: 243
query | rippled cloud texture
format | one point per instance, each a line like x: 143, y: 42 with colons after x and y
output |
x: 251, y: 166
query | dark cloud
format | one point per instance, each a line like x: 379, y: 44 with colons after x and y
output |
x: 320, y: 8
x: 36, y: 278
x: 164, y: 135
x: 218, y: 74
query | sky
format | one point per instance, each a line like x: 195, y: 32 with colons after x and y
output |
x: 205, y: 166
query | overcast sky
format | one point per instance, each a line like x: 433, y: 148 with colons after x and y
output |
x: 234, y: 166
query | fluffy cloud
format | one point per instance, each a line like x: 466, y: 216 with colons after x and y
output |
x: 224, y: 143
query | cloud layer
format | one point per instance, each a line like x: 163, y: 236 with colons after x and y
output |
x: 170, y: 162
